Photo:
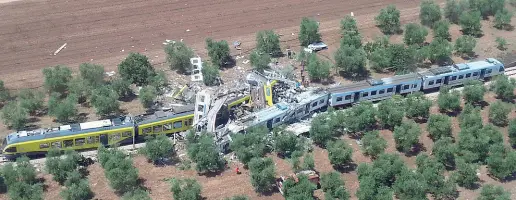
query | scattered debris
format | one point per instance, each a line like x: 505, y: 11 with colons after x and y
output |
x: 60, y: 48
x: 245, y: 61
x: 111, y: 73
x: 197, y: 69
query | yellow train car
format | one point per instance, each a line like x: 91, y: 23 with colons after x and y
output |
x: 88, y: 135
x: 238, y: 101
x: 267, y: 89
x: 165, y: 123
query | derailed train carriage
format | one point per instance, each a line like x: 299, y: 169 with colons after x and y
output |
x: 121, y: 130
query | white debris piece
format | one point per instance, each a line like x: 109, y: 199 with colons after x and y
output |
x: 111, y: 73
x: 197, y: 69
x: 60, y: 48
x: 352, y: 15
x: 187, y: 30
x: 245, y: 61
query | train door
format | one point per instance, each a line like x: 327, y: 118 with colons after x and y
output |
x: 307, y: 109
x: 356, y: 97
x: 398, y: 89
x: 482, y: 73
x: 104, y: 139
x: 446, y: 80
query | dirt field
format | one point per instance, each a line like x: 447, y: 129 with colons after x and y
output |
x: 103, y: 31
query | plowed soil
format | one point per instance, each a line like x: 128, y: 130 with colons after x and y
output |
x: 104, y: 31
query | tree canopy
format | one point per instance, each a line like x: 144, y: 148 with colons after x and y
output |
x: 470, y: 23
x: 202, y: 150
x: 218, y: 52
x: 447, y: 100
x: 503, y: 87
x: 262, y: 174
x: 178, y: 56
x: 14, y: 115
x: 389, y: 20
x: 318, y: 69
x: 260, y: 61
x: 372, y: 144
x: 442, y: 30
x: 430, y: 13
x: 465, y: 44
x: 57, y: 78
x: 351, y: 60
x: 339, y: 153
x: 489, y: 192
x: 268, y: 42
x: 136, y: 68
x: 498, y: 113
x: 251, y: 145
x: 105, y: 100
x: 158, y: 148
x: 439, y: 126
x: 186, y: 189
x: 473, y: 92
x: 414, y: 34
x: 148, y: 96
x: 309, y: 32
x: 406, y: 135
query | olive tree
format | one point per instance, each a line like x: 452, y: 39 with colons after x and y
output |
x: 32, y: 100
x: 473, y: 92
x: 260, y: 61
x: 210, y: 75
x: 470, y: 23
x: 178, y: 56
x: 268, y: 42
x: 105, y: 100
x: 77, y: 187
x: 351, y: 60
x: 417, y: 106
x: 158, y: 149
x: 333, y: 186
x: 350, y: 34
x: 262, y: 174
x: 439, y: 126
x: 308, y: 32
x: 448, y: 101
x: 489, y: 192
x: 498, y: 113
x: 444, y: 151
x: 466, y: 174
x: 218, y: 52
x: 136, y: 68
x: 318, y: 69
x: 503, y: 87
x: 512, y: 133
x: 441, y: 30
x: 454, y: 8
x: 186, y: 189
x: 14, y: 115
x: 62, y: 110
x: 57, y: 78
x: 389, y: 20
x: 339, y: 153
x: 414, y: 34
x: 390, y: 113
x: 148, y: 96
x: 502, y: 19
x: 439, y: 51
x: 406, y: 135
x: 465, y: 44
x: 253, y: 144
x: 430, y: 13
x: 373, y: 144
x: 92, y: 74
x: 203, y: 151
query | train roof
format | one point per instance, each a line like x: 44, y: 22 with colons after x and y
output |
x: 265, y: 114
x: 476, y: 65
x: 400, y: 79
x: 350, y: 87
x: 309, y: 96
x: 71, y: 129
x: 169, y: 114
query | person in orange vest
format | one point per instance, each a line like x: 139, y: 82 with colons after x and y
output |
x: 237, y: 170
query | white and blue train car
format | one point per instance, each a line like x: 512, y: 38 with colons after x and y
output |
x: 458, y: 74
x: 374, y: 90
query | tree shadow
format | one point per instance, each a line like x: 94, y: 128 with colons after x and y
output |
x: 481, y: 104
x: 270, y: 192
x: 420, y: 120
x: 359, y: 77
x: 469, y: 56
x: 33, y: 120
x: 211, y: 174
x: 346, y: 168
x: 452, y: 113
x: 508, y: 27
x: 416, y: 149
x: 128, y: 98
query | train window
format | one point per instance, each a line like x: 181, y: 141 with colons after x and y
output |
x: 475, y: 73
x: 158, y: 129
x: 414, y: 85
x: 381, y: 91
x: 79, y: 141
x: 389, y: 89
x: 92, y: 140
x: 11, y: 150
x: 461, y: 76
x: 339, y: 98
x: 56, y: 144
x: 200, y: 108
x: 167, y: 127
x: 277, y: 120
x: 115, y: 136
x: 67, y: 143
x: 438, y: 81
x: 348, y: 97
x: 373, y: 93
x: 365, y: 94
x: 126, y: 134
x: 44, y: 146
x: 190, y: 121
x: 178, y: 124
x: 501, y: 69
x: 468, y: 75
x: 321, y: 101
x: 489, y: 71
x: 406, y: 87
x: 454, y: 78
x: 431, y: 83
x: 147, y: 130
x: 314, y: 104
